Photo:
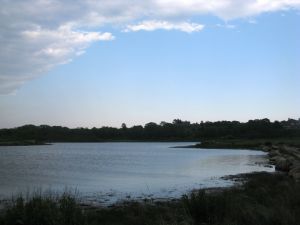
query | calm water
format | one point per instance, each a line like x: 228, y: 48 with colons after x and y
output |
x: 105, y: 172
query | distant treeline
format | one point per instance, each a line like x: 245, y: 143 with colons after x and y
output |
x: 178, y: 130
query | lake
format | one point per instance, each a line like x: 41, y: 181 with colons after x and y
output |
x: 106, y: 172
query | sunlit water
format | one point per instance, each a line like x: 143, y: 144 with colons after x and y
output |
x: 106, y: 172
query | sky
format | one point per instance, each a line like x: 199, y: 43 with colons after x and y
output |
x: 103, y: 63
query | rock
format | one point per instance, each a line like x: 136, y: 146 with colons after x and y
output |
x: 282, y: 164
x: 285, y: 158
x: 273, y: 160
x: 274, y: 154
x: 295, y: 172
x: 266, y: 148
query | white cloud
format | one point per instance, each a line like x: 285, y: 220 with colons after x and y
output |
x: 33, y: 52
x: 225, y: 9
x: 36, y: 35
x: 151, y: 25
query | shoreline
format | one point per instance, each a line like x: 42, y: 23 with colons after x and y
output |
x: 284, y: 156
x: 143, y: 197
x: 271, y: 195
x: 258, y: 193
x: 23, y: 143
x: 33, y: 142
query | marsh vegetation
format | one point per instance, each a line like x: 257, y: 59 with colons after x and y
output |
x: 263, y: 198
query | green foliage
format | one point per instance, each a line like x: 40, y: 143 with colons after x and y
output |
x: 178, y: 130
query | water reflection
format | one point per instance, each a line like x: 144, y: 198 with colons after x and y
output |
x: 124, y: 169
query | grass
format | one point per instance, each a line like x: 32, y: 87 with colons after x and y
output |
x: 255, y: 144
x: 264, y: 199
x: 43, y: 210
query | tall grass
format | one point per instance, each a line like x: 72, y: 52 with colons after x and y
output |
x: 265, y: 199
x: 43, y: 209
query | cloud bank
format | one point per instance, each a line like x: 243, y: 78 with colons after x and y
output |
x: 37, y: 35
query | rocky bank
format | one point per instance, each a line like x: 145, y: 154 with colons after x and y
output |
x: 285, y: 158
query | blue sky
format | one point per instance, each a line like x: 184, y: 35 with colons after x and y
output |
x: 239, y: 68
